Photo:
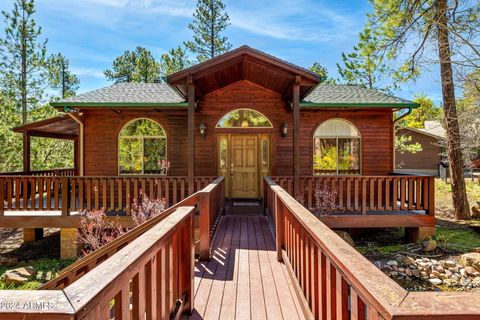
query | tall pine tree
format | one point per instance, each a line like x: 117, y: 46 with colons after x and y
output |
x: 134, y: 66
x: 209, y: 22
x: 364, y: 66
x: 174, y: 60
x: 407, y: 30
x: 22, y: 57
x: 322, y: 72
x: 60, y: 76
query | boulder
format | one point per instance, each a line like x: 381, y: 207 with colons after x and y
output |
x: 429, y: 245
x: 471, y: 259
x: 475, y: 210
x: 18, y: 276
x: 346, y: 237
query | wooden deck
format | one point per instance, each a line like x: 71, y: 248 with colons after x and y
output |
x: 243, y: 280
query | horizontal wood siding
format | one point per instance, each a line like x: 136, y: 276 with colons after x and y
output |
x: 427, y: 159
x: 102, y: 128
x: 101, y: 138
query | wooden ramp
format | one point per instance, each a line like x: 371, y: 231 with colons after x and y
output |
x: 243, y: 280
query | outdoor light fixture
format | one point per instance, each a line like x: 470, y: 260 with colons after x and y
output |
x: 285, y: 129
x: 203, y: 130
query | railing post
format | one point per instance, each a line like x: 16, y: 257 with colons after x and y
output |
x: 431, y: 196
x: 2, y: 197
x: 65, y: 196
x: 187, y: 264
x: 204, y: 224
x: 279, y: 228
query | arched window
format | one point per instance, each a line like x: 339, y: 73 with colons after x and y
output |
x: 336, y: 148
x: 244, y: 118
x: 142, y: 148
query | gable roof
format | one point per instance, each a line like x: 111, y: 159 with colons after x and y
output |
x: 126, y: 95
x: 245, y: 63
x: 341, y: 95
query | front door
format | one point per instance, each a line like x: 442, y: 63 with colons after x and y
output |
x: 244, y: 159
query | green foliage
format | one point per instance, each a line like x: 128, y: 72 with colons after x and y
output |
x: 404, y: 144
x: 209, y: 22
x: 10, y: 142
x: 459, y: 239
x: 60, y: 77
x: 174, y: 60
x: 426, y: 111
x: 323, y: 72
x: 22, y: 57
x: 364, y: 66
x: 134, y: 66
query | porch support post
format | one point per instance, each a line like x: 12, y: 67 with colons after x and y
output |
x: 26, y: 152
x: 191, y: 134
x: 76, y: 155
x: 296, y: 135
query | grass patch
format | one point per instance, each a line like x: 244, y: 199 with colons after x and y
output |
x: 44, y: 267
x: 458, y: 239
x: 443, y: 194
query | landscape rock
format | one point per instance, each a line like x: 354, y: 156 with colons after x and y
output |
x: 429, y: 245
x: 406, y: 260
x: 435, y: 281
x: 471, y: 259
x: 392, y: 263
x: 18, y: 276
x: 475, y: 210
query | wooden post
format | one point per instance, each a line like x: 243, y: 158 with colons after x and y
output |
x: 68, y: 243
x: 279, y: 236
x: 76, y: 155
x: 65, y: 196
x: 26, y: 152
x: 296, y: 136
x: 204, y: 226
x: 191, y: 135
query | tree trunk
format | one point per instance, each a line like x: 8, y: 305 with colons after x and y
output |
x: 459, y: 194
x: 23, y: 80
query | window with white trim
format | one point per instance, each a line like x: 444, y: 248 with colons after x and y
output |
x: 336, y: 148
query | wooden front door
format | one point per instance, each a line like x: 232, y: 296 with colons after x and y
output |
x: 243, y: 159
x: 244, y: 166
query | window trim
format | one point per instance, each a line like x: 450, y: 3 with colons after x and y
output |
x: 359, y: 137
x: 142, y: 137
x: 243, y: 128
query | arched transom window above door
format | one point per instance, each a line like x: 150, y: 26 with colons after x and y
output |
x: 244, y: 118
x: 336, y: 148
x: 142, y: 148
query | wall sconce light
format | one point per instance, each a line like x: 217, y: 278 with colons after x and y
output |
x: 285, y: 129
x: 203, y: 129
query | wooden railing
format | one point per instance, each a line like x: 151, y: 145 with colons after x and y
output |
x: 334, y: 281
x: 213, y: 194
x: 49, y: 172
x: 368, y: 193
x: 146, y: 274
x: 72, y: 193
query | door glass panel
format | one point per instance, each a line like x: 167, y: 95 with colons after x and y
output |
x: 223, y: 153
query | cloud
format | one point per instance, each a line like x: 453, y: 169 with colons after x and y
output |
x: 88, y: 72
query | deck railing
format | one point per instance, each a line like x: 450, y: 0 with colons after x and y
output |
x: 146, y: 273
x: 334, y: 281
x: 71, y: 193
x: 368, y: 193
x: 49, y: 172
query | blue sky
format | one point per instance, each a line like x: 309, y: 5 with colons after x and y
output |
x: 91, y: 33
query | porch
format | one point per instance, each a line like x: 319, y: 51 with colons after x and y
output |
x: 250, y: 268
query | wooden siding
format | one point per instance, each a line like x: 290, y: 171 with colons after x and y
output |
x: 102, y: 128
x: 427, y: 159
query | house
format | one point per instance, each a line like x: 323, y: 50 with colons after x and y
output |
x: 244, y: 115
x: 427, y: 161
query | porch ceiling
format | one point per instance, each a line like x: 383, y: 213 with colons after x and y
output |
x: 245, y: 63
x: 60, y: 127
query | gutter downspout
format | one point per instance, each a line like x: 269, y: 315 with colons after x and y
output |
x: 394, y: 134
x: 77, y: 119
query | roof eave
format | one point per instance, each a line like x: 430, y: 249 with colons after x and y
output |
x: 119, y: 104
x: 362, y: 105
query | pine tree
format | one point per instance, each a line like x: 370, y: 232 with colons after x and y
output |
x: 209, y: 22
x: 134, y: 66
x: 60, y: 76
x: 174, y: 60
x: 364, y: 66
x: 22, y: 57
x: 407, y: 31
x: 322, y: 72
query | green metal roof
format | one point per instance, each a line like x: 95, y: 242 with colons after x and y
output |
x: 327, y: 95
